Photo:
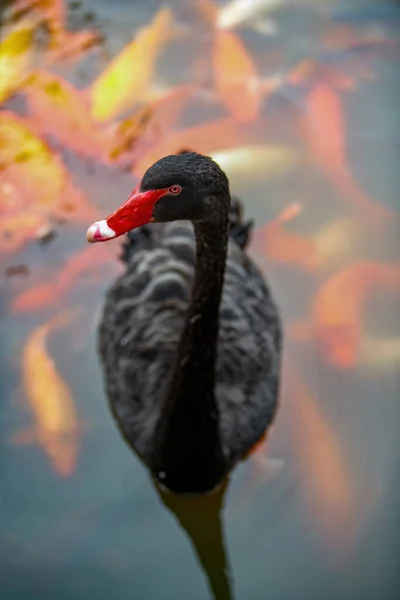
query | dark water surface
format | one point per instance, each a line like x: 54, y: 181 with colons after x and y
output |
x: 325, y: 525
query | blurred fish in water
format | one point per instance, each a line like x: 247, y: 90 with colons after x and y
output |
x: 87, y: 263
x: 44, y: 294
x: 256, y: 164
x: 327, y: 481
x: 352, y: 46
x: 325, y: 132
x: 236, y: 78
x: 328, y: 247
x: 345, y: 65
x: 253, y: 13
x: 311, y: 70
x: 283, y: 246
x: 337, y: 309
x: 57, y: 428
x: 336, y: 242
x: 36, y: 176
x: 18, y: 56
x: 380, y: 354
x: 258, y: 14
x: 64, y: 44
x: 53, y: 11
x: 244, y: 165
x: 126, y: 80
x: 129, y: 131
x: 206, y: 137
x: 73, y: 45
x: 59, y: 109
x: 155, y: 119
x: 238, y: 13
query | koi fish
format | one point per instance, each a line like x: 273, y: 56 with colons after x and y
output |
x: 126, y: 81
x: 236, y: 77
x: 40, y: 180
x: 380, y: 354
x: 253, y: 14
x: 57, y: 429
x: 324, y: 249
x: 336, y: 242
x: 52, y: 11
x: 17, y: 58
x: 257, y: 14
x: 336, y: 309
x: 310, y: 70
x: 57, y: 108
x: 255, y: 164
x: 326, y: 139
x: 64, y: 45
x: 326, y: 479
x: 343, y: 67
x: 154, y: 121
x: 73, y: 45
x: 283, y: 246
x: 48, y: 293
x: 206, y: 137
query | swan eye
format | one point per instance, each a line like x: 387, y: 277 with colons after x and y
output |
x: 175, y: 189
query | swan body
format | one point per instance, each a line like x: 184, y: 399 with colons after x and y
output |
x: 190, y: 337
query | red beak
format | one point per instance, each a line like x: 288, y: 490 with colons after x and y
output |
x: 136, y: 211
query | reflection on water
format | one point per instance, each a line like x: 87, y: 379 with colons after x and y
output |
x: 201, y: 517
x: 306, y: 124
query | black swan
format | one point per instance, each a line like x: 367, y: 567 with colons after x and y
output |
x: 190, y: 337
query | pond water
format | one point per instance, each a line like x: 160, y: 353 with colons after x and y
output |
x: 79, y: 515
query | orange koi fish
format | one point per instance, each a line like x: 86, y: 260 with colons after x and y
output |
x: 52, y: 11
x: 154, y: 121
x: 44, y: 294
x: 48, y: 293
x: 337, y: 309
x: 310, y: 69
x: 36, y: 174
x: 64, y: 45
x: 326, y: 138
x: 236, y: 77
x: 326, y: 480
x: 203, y: 138
x: 209, y: 10
x: 321, y: 250
x: 126, y: 81
x: 284, y: 246
x: 72, y: 45
x: 57, y: 108
x: 56, y: 428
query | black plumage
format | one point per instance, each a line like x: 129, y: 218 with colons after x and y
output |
x: 190, y: 337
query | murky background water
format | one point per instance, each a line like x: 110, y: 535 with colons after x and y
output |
x: 80, y: 517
